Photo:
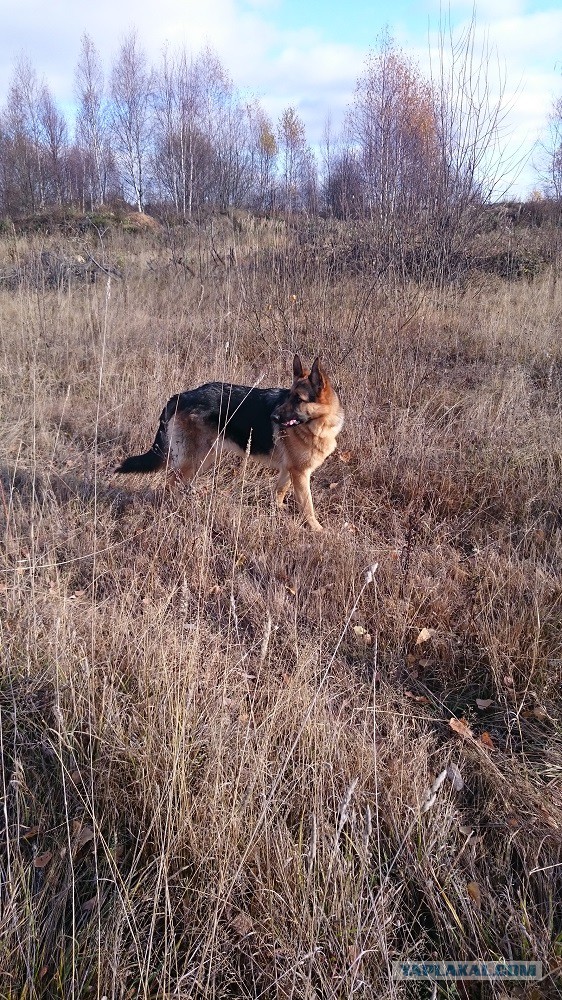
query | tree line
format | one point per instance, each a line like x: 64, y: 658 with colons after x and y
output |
x: 178, y: 136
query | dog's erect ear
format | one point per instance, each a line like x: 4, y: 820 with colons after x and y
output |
x: 298, y: 370
x: 317, y: 377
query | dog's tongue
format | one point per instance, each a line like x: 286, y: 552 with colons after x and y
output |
x: 291, y: 423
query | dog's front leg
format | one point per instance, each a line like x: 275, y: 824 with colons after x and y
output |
x: 303, y: 497
x: 282, y: 486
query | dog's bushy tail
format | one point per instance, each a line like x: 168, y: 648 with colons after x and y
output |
x: 150, y: 461
x: 157, y: 456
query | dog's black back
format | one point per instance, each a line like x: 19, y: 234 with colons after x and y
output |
x: 242, y: 412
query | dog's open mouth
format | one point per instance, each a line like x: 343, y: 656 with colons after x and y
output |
x: 290, y: 422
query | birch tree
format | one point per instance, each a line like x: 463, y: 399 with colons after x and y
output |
x: 130, y: 117
x: 92, y: 127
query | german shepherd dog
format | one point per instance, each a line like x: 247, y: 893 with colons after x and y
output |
x: 290, y: 430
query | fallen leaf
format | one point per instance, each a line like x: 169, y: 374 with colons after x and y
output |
x: 291, y: 590
x: 29, y: 834
x: 548, y: 819
x: 333, y: 486
x: 354, y: 953
x: 364, y: 637
x: 242, y: 924
x: 484, y: 702
x: 540, y: 713
x: 420, y: 699
x: 90, y: 904
x: 473, y: 890
x: 466, y: 831
x: 487, y: 741
x: 429, y: 802
x: 83, y: 834
x: 118, y: 852
x: 424, y: 635
x: 461, y: 727
x: 345, y: 456
x: 455, y: 776
x: 42, y: 860
x: 508, y: 680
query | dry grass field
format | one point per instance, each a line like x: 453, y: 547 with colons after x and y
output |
x: 219, y: 731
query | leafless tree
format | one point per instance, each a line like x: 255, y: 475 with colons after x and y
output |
x: 263, y: 155
x: 393, y: 128
x: 175, y: 131
x: 430, y: 150
x: 222, y: 127
x: 473, y: 121
x: 55, y: 149
x: 295, y: 159
x: 233, y: 155
x: 201, y: 134
x: 130, y: 116
x: 92, y: 130
x: 344, y: 190
x: 24, y: 140
x: 551, y: 165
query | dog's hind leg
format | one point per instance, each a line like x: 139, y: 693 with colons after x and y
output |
x: 189, y: 449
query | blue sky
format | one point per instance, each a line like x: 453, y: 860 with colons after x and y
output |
x: 305, y: 54
x: 353, y: 23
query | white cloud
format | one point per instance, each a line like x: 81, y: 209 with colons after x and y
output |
x: 50, y: 33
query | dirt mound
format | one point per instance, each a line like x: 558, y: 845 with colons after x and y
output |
x: 138, y: 222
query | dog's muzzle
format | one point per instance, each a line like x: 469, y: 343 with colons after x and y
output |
x: 277, y: 419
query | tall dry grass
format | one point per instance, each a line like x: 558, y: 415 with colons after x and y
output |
x: 217, y: 736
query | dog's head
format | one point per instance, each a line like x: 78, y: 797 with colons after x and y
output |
x: 307, y: 397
